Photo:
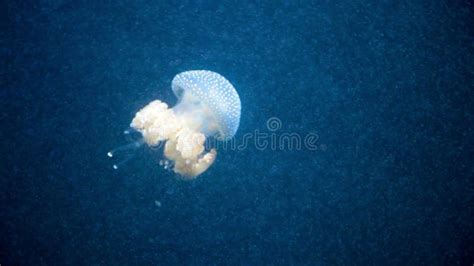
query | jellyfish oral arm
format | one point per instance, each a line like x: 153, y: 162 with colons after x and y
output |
x: 194, y: 168
x: 184, y: 145
x: 190, y: 168
x: 156, y: 123
x: 204, y: 162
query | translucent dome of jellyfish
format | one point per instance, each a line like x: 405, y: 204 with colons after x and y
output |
x: 208, y: 105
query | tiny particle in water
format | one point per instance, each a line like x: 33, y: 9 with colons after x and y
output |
x: 158, y: 203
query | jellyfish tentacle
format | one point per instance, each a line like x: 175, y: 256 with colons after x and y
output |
x: 132, y: 135
x: 127, y: 152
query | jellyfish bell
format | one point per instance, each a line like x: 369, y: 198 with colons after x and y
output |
x: 208, y: 106
x: 208, y: 101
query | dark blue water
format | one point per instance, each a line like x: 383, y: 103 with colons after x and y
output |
x: 385, y: 85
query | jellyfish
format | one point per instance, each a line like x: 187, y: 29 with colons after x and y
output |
x: 208, y: 106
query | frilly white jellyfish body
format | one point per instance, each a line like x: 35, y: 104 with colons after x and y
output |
x: 208, y: 105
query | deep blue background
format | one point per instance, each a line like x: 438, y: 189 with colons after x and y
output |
x: 387, y: 86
